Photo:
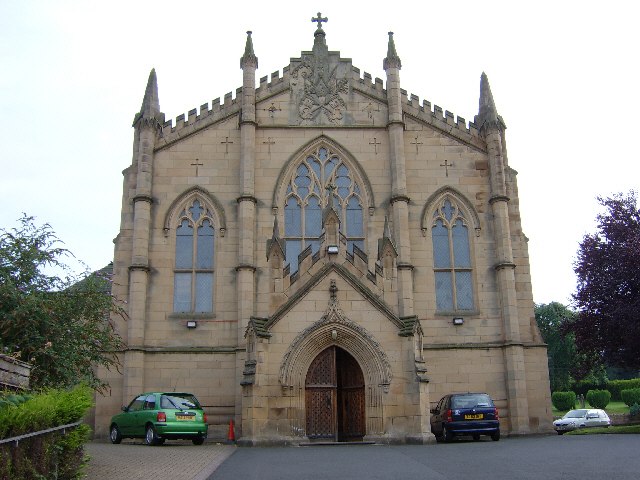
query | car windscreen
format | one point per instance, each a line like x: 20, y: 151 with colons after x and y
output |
x: 180, y: 401
x: 575, y: 414
x: 471, y: 400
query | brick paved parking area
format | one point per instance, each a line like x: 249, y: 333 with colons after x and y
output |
x: 175, y: 460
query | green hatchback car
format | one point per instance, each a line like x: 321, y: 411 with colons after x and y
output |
x: 158, y: 416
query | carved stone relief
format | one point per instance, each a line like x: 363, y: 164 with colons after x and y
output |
x: 317, y: 90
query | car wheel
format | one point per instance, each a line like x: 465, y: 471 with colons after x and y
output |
x: 114, y: 435
x: 495, y: 436
x: 198, y: 440
x: 446, y: 434
x: 151, y: 437
x: 560, y: 433
x: 476, y: 437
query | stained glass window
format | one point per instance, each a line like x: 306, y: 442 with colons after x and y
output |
x: 307, y: 195
x: 451, y: 259
x: 194, y: 267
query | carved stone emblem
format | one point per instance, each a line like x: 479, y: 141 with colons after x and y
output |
x: 319, y: 97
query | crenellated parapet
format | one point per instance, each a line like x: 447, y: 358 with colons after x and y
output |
x: 280, y: 82
x: 273, y: 85
x: 312, y: 267
x: 366, y: 85
x: 194, y: 121
x: 445, y: 121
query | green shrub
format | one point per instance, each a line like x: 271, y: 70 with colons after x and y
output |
x: 54, y: 455
x: 563, y: 400
x: 631, y: 396
x: 616, y: 387
x: 634, y: 410
x: 598, y: 398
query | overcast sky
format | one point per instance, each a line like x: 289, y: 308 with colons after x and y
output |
x: 564, y: 76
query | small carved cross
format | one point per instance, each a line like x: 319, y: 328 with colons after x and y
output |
x: 446, y: 166
x: 226, y: 142
x: 272, y: 109
x: 375, y: 144
x: 269, y: 142
x: 197, y: 164
x: 416, y: 143
x: 319, y: 19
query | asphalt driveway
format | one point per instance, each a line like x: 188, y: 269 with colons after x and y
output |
x: 565, y: 457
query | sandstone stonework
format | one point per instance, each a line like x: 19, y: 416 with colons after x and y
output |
x: 365, y: 287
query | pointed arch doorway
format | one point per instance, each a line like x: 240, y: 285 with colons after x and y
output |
x: 335, y: 397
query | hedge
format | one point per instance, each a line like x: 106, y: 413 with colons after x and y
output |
x: 53, y: 455
x: 563, y: 400
x: 616, y: 387
x: 631, y: 396
x: 598, y: 398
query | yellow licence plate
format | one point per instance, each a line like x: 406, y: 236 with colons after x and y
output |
x: 186, y: 417
x: 475, y: 416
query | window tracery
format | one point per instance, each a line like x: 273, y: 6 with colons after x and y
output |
x: 320, y: 178
x: 452, y: 258
x: 194, y: 259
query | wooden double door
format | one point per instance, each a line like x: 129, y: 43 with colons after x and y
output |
x: 334, y: 397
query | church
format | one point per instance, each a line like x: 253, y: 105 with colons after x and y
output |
x: 321, y: 258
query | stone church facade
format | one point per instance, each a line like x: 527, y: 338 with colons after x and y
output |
x: 323, y: 258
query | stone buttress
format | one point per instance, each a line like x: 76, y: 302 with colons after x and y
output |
x: 246, y: 217
x: 492, y: 127
x: 147, y: 124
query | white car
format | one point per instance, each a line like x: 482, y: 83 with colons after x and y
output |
x: 581, y: 418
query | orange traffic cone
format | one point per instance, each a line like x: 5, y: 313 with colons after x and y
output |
x: 231, y: 436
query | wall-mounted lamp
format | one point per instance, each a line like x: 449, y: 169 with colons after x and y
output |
x: 332, y: 249
x: 192, y: 324
x: 458, y: 321
x: 334, y: 334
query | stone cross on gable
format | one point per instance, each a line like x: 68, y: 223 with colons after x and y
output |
x: 446, y: 166
x: 375, y: 144
x: 416, y: 143
x: 197, y: 164
x: 319, y: 19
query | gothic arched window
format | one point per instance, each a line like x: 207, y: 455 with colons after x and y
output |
x: 194, y: 268
x: 307, y: 195
x: 451, y: 258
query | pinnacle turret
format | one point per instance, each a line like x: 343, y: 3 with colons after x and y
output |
x: 487, y: 112
x: 249, y: 58
x: 151, y: 102
x: 392, y: 59
x: 387, y: 239
x: 276, y: 242
x: 150, y: 109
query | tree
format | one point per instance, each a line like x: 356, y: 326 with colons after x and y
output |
x: 561, y: 348
x: 62, y: 326
x: 608, y: 290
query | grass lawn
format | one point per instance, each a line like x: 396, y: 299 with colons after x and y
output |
x: 601, y: 430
